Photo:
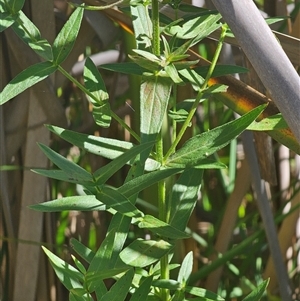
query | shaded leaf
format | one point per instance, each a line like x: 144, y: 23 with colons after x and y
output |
x: 119, y: 290
x: 161, y: 228
x: 15, y: 5
x: 94, y: 83
x: 65, y: 40
x: 73, y: 170
x: 26, y: 79
x: 142, y: 253
x: 142, y: 292
x: 184, y: 197
x: 257, y: 294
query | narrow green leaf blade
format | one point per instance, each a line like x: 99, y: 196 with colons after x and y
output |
x: 69, y: 276
x: 94, y: 83
x: 114, y: 199
x: 143, y: 290
x: 26, y: 79
x: 257, y: 294
x: 161, y: 228
x: 32, y: 37
x: 142, y: 24
x: 142, y: 253
x: 139, y: 183
x: 83, y: 251
x: 73, y: 170
x: 155, y: 94
x: 203, y: 293
x: 119, y: 290
x: 203, y: 145
x: 65, y: 40
x: 105, y: 147
x: 104, y: 173
x: 184, y: 197
x: 6, y: 20
x: 274, y: 122
x: 77, y: 203
x: 15, y: 5
x: 186, y: 268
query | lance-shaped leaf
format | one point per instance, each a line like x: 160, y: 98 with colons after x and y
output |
x: 141, y: 182
x: 104, y: 173
x: 114, y: 199
x: 94, y: 83
x: 142, y: 292
x: 69, y: 276
x: 65, y: 40
x: 73, y: 170
x: 155, y: 94
x: 78, y: 203
x: 186, y: 269
x: 83, y: 251
x: 184, y: 197
x: 119, y: 290
x: 161, y: 228
x: 6, y: 20
x: 26, y: 79
x: 203, y: 294
x: 30, y: 35
x: 257, y: 294
x: 142, y: 24
x: 197, y: 28
x: 142, y: 253
x: 203, y: 145
x: 14, y: 5
x: 105, y: 147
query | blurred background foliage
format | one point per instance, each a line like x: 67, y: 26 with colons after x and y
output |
x: 226, y: 213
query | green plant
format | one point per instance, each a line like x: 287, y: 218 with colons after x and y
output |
x: 141, y: 270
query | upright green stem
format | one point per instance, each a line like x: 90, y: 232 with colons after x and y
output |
x: 199, y: 95
x: 164, y: 272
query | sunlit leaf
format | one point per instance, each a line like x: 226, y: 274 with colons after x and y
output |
x: 69, y: 276
x: 30, y: 35
x: 186, y: 268
x: 269, y: 123
x: 73, y: 170
x: 257, y: 294
x: 6, y: 20
x: 142, y: 24
x: 77, y: 203
x: 142, y: 253
x: 201, y: 146
x: 94, y: 83
x: 203, y: 293
x: 184, y: 197
x: 26, y: 79
x: 65, y: 40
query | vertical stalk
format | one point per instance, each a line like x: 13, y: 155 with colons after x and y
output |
x: 162, y: 205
